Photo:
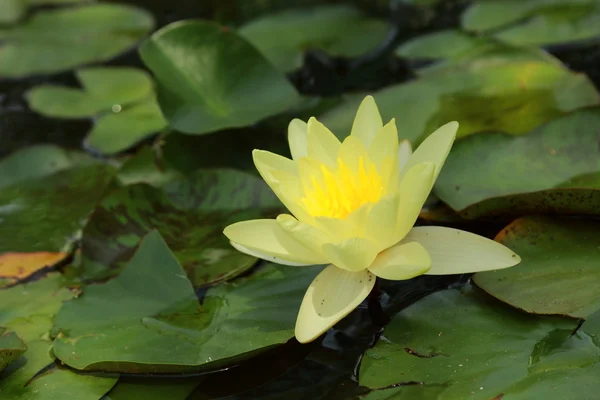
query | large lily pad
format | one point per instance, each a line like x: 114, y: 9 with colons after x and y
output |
x: 535, y: 22
x: 97, y: 32
x: 37, y: 162
x: 513, y: 96
x: 121, y: 100
x: 552, y: 169
x: 560, y: 271
x: 190, y: 214
x: 209, y: 78
x: 464, y: 345
x: 114, y: 327
x: 48, y: 213
x: 442, y: 44
x: 338, y: 30
x: 11, y: 347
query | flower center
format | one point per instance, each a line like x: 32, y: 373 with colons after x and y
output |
x: 337, y: 192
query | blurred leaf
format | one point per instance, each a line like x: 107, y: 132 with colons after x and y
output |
x: 148, y: 166
x: 339, y: 30
x: 96, y: 32
x: 12, y: 11
x: 458, y: 345
x: 16, y: 266
x: 535, y: 22
x: 48, y: 213
x: 11, y: 348
x: 512, y: 97
x: 559, y: 273
x: 190, y: 214
x: 102, y: 89
x: 441, y: 44
x: 119, y: 131
x: 210, y: 79
x: 54, y: 383
x: 113, y: 327
x: 37, y: 162
x: 494, y: 174
x: 28, y: 309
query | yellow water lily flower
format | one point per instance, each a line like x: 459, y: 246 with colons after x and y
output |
x: 353, y: 206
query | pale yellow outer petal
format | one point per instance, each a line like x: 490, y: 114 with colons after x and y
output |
x: 434, y: 149
x: 322, y: 143
x: 267, y: 162
x: 351, y: 151
x: 367, y: 121
x: 404, y: 154
x: 354, y: 254
x: 344, y: 228
x: 453, y: 251
x: 381, y: 222
x: 332, y: 295
x: 414, y: 189
x: 297, y: 138
x: 265, y: 256
x: 384, y: 144
x: 402, y: 261
x: 307, y: 235
x: 265, y: 236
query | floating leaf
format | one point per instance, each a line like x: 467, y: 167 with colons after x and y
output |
x: 17, y: 266
x: 37, y: 162
x: 48, y: 213
x: 190, y: 214
x: 28, y: 308
x: 54, y: 383
x: 209, y: 78
x: 12, y: 11
x: 545, y: 171
x: 512, y: 97
x: 11, y: 348
x: 113, y: 327
x: 559, y: 272
x: 491, y: 352
x: 442, y: 44
x: 339, y: 30
x: 97, y: 32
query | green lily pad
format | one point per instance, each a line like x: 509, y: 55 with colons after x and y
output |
x: 551, y: 170
x: 28, y: 309
x: 514, y: 96
x: 560, y: 271
x: 49, y: 213
x: 339, y: 30
x: 121, y: 100
x: 442, y: 44
x: 97, y: 32
x: 190, y: 214
x: 464, y: 345
x: 148, y: 165
x: 113, y: 327
x: 11, y: 347
x: 536, y: 22
x: 54, y: 383
x: 178, y: 389
x: 209, y: 78
x: 37, y: 162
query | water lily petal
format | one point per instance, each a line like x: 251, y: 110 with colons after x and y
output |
x: 453, y: 251
x: 265, y: 236
x: 414, y: 189
x: 344, y: 228
x: 434, y: 149
x: 267, y: 162
x: 297, y: 138
x: 381, y: 222
x: 351, y: 151
x: 322, y: 143
x: 353, y: 254
x: 402, y: 261
x: 265, y: 256
x: 367, y: 121
x: 307, y: 235
x: 332, y: 295
x: 404, y: 154
x: 384, y: 144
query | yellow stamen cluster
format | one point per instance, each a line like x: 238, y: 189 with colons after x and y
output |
x: 337, y: 192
